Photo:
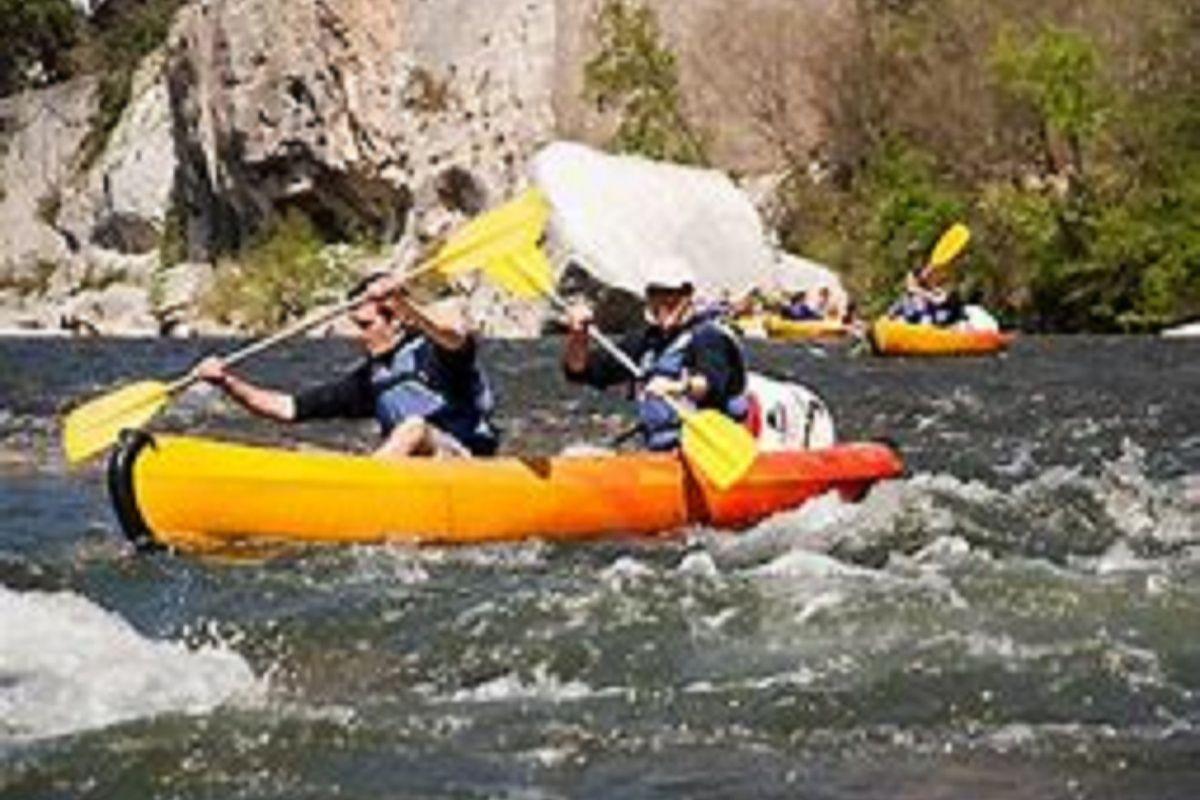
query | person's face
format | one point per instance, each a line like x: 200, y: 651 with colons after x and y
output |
x: 376, y: 328
x: 668, y: 308
x: 935, y: 278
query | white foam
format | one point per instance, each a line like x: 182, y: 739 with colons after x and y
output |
x: 625, y: 570
x: 540, y: 685
x: 68, y: 665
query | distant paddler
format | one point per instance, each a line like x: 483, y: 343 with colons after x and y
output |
x: 420, y: 378
x: 929, y: 295
x: 684, y: 358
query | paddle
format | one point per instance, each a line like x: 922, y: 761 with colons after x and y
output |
x: 950, y: 245
x: 713, y: 443
x: 95, y: 425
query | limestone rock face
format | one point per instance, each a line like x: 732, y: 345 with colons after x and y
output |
x: 40, y: 133
x: 385, y: 120
x: 353, y: 110
x: 70, y: 231
x: 121, y: 203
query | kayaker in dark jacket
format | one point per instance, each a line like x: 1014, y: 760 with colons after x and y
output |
x: 692, y: 359
x: 928, y: 299
x: 420, y: 379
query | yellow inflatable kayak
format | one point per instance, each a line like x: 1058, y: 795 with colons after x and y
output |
x: 201, y: 495
x: 797, y: 330
x: 774, y: 326
x: 893, y: 337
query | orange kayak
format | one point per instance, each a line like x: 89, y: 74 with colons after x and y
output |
x: 202, y: 495
x: 894, y: 337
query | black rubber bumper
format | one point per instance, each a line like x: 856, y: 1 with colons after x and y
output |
x: 121, y: 492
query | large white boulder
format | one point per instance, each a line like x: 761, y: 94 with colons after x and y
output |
x: 615, y: 215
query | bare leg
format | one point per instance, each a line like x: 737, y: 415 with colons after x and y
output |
x: 409, y: 438
x: 416, y: 437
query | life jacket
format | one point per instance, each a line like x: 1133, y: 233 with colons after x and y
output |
x: 658, y: 421
x: 910, y: 310
x: 412, y: 382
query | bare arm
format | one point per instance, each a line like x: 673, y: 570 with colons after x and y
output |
x: 575, y: 354
x: 447, y: 325
x: 917, y: 288
x: 265, y: 402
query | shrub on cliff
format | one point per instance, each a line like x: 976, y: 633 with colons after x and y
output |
x: 118, y: 39
x: 36, y: 37
x: 280, y: 277
x: 634, y: 73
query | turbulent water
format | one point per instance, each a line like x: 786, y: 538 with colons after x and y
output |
x: 1018, y: 618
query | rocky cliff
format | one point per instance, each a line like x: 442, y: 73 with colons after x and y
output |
x: 382, y: 120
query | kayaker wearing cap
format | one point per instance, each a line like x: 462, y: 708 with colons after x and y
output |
x: 420, y: 379
x: 928, y: 299
x: 692, y: 359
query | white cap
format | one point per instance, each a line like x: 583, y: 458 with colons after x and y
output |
x: 668, y: 272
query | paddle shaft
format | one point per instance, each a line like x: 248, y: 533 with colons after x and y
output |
x: 599, y: 338
x: 621, y: 356
x: 294, y: 330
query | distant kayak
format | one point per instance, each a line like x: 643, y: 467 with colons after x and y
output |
x: 201, y: 495
x: 1183, y: 331
x: 895, y: 337
x: 773, y: 326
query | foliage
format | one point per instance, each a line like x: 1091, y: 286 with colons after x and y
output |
x: 116, y: 45
x: 885, y: 225
x: 173, y: 244
x: 36, y: 37
x: 637, y: 75
x: 1067, y: 136
x: 282, y: 276
x: 172, y: 248
x: 1058, y: 74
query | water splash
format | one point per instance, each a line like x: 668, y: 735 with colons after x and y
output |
x: 68, y: 665
x: 1062, y: 515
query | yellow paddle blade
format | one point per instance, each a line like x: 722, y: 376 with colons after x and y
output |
x: 950, y: 245
x: 519, y: 221
x: 525, y: 272
x: 94, y: 426
x: 718, y: 447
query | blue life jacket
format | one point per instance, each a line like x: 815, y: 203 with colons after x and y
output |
x: 412, y: 381
x: 911, y: 310
x: 799, y: 312
x: 659, y: 423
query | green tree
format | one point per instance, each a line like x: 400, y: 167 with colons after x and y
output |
x: 280, y: 277
x: 36, y: 37
x: 635, y: 73
x: 1059, y: 74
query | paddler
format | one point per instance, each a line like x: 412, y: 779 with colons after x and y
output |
x: 928, y: 298
x: 682, y: 355
x: 420, y: 378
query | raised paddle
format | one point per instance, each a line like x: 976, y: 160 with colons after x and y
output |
x: 950, y: 245
x: 518, y: 224
x: 713, y: 443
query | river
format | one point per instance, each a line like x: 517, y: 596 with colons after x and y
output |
x: 1019, y: 617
